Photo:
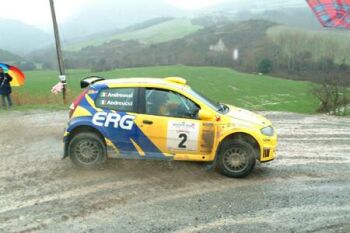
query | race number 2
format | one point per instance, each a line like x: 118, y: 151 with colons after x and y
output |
x: 182, y: 135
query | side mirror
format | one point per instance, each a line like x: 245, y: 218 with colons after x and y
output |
x: 205, y: 115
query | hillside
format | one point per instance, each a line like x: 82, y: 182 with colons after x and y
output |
x: 221, y: 84
x: 144, y: 33
x: 107, y: 15
x: 208, y: 46
x: 157, y: 30
x: 80, y: 41
x: 8, y: 57
x: 95, y: 17
x: 20, y: 38
x: 263, y: 47
x: 190, y: 49
x: 293, y: 17
x: 339, y: 40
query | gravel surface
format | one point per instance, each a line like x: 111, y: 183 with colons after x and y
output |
x: 306, y: 189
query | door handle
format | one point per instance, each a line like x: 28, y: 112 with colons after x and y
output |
x: 147, y: 122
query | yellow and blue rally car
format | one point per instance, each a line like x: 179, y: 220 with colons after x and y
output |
x: 149, y: 118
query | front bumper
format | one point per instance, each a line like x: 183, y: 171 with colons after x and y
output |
x: 268, y: 149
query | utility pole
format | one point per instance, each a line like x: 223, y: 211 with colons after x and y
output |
x: 62, y: 76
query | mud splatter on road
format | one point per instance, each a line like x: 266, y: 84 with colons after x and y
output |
x: 306, y: 189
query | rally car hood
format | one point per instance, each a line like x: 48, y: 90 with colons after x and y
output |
x: 245, y: 116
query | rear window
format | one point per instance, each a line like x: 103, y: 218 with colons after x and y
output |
x: 119, y: 99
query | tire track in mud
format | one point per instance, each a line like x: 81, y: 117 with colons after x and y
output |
x: 312, y: 139
x: 150, y: 193
x: 274, y: 220
x: 40, y: 192
x: 153, y: 213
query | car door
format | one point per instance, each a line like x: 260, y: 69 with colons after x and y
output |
x: 169, y: 120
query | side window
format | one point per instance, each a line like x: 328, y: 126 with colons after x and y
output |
x: 168, y: 103
x: 119, y: 99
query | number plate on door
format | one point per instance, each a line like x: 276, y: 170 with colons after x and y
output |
x: 183, y: 135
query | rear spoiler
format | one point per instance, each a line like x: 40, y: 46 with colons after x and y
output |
x: 85, y: 82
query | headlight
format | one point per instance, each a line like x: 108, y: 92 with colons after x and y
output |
x: 268, y: 131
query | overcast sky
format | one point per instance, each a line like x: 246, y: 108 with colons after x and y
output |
x: 37, y: 12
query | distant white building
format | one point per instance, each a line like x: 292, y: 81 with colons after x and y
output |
x: 219, y: 47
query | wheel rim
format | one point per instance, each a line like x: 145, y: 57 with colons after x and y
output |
x: 87, y: 151
x: 235, y: 160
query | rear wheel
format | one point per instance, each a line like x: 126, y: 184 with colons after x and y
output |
x: 236, y: 159
x: 87, y: 150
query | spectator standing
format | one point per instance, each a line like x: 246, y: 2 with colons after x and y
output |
x: 5, y: 88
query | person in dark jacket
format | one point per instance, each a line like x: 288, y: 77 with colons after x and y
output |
x: 5, y: 88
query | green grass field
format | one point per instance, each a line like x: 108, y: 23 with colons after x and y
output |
x: 222, y: 84
x: 162, y: 32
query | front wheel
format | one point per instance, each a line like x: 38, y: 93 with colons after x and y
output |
x: 87, y: 150
x: 236, y: 159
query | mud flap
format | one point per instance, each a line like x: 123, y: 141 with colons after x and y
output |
x: 65, y: 151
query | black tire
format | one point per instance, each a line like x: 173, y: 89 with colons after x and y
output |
x: 87, y: 150
x: 236, y: 159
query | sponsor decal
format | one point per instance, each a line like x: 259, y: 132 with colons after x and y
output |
x: 183, y: 135
x: 116, y: 99
x: 116, y: 103
x: 90, y: 92
x: 105, y: 119
x: 116, y: 95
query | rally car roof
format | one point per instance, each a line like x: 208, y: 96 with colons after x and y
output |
x: 176, y: 82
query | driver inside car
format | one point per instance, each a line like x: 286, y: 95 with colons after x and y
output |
x: 161, y: 104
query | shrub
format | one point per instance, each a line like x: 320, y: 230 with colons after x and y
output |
x: 265, y: 66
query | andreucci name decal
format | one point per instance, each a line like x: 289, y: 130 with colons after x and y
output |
x: 105, y: 119
x: 117, y: 103
x: 117, y: 95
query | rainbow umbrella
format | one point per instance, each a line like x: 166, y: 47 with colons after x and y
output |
x: 332, y: 13
x: 17, y: 75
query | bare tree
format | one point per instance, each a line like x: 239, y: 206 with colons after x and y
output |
x: 333, y: 94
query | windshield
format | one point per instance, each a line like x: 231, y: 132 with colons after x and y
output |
x: 216, y: 106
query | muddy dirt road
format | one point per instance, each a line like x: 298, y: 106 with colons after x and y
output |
x: 306, y: 189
